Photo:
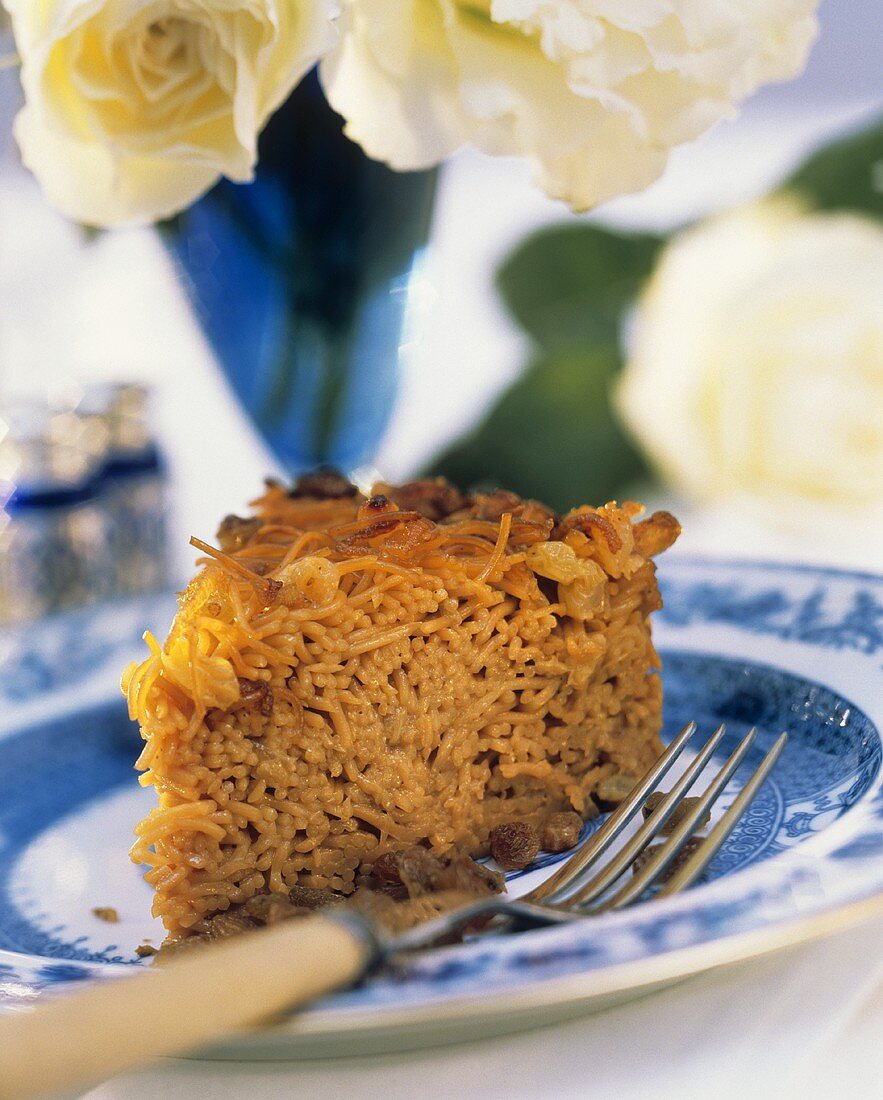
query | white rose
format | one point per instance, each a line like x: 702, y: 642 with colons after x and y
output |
x: 134, y: 108
x: 594, y: 92
x: 755, y: 373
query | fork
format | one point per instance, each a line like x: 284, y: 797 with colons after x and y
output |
x: 85, y: 1037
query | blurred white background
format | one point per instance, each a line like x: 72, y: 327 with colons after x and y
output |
x: 74, y: 310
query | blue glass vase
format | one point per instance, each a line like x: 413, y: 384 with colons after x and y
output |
x: 300, y: 281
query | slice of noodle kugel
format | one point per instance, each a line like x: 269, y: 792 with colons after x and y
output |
x: 348, y: 676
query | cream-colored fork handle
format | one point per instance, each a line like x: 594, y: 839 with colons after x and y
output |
x: 80, y: 1039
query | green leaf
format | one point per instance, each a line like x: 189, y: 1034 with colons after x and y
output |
x: 845, y: 175
x: 90, y: 234
x: 552, y: 436
x: 569, y: 285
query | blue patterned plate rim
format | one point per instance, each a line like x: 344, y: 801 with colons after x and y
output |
x: 677, y: 558
x: 815, y: 634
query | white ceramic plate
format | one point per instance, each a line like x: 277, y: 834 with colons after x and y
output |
x: 779, y: 647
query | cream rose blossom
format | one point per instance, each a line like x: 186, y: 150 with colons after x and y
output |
x: 755, y: 373
x: 135, y: 107
x: 594, y: 92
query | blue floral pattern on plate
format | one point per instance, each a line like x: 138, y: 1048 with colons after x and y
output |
x: 776, y: 646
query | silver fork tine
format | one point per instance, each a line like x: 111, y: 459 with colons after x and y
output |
x: 611, y: 871
x: 601, y: 841
x: 703, y: 855
x: 669, y: 850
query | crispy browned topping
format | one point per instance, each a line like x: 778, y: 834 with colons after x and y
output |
x: 436, y: 500
x: 377, y: 505
x: 491, y: 506
x: 656, y: 533
x: 236, y: 532
x: 561, y: 831
x: 395, y: 533
x: 433, y: 498
x: 323, y: 484
x: 514, y: 845
x: 590, y: 524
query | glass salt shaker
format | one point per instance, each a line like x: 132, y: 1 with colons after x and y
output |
x: 54, y: 536
x: 133, y: 487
